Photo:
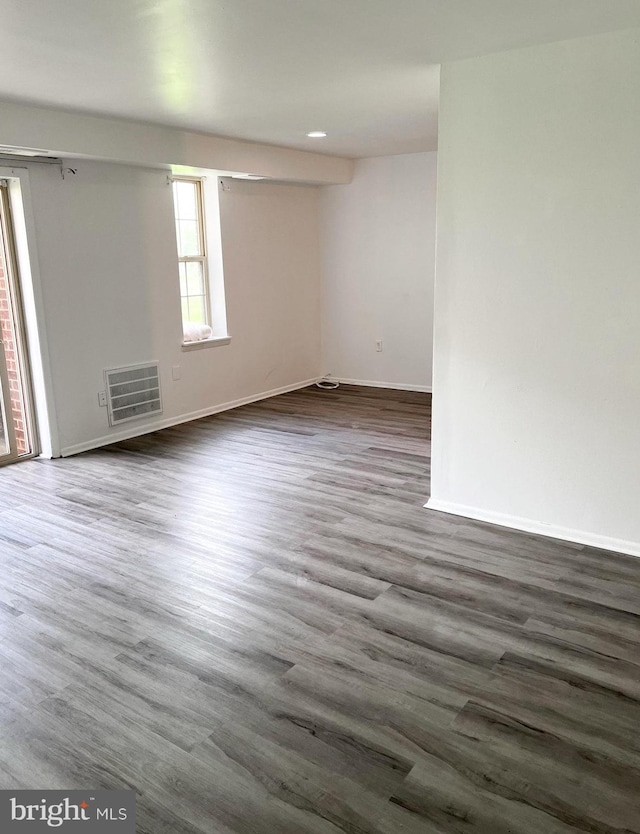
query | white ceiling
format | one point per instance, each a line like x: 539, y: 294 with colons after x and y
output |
x: 365, y: 71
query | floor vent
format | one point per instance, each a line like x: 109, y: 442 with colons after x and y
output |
x: 133, y: 392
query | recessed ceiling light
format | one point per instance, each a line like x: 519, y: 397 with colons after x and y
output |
x: 316, y: 134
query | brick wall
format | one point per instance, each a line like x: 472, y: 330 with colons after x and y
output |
x: 9, y: 340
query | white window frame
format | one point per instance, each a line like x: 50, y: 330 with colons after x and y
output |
x: 202, y: 258
x: 211, y: 259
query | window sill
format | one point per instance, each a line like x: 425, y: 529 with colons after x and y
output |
x: 215, y: 341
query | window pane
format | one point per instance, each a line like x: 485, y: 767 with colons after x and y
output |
x: 195, y: 282
x: 185, y: 197
x: 188, y: 239
x: 189, y: 236
x: 197, y: 309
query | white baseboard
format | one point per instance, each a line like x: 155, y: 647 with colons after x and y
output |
x: 396, y: 386
x: 528, y: 525
x: 147, y: 428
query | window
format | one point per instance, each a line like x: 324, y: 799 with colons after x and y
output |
x: 201, y: 273
x: 192, y: 252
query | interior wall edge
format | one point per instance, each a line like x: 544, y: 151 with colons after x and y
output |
x: 157, y: 425
x: 529, y: 525
x: 394, y: 386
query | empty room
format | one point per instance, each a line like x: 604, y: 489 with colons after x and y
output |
x: 319, y: 396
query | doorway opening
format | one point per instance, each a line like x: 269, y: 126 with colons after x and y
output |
x: 17, y: 425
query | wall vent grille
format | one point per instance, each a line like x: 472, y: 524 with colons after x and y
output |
x: 133, y: 392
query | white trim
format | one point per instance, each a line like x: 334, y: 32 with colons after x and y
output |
x: 395, y: 386
x: 214, y: 341
x: 29, y: 269
x: 528, y: 525
x: 147, y: 428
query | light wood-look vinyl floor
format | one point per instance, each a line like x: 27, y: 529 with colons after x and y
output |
x: 252, y: 621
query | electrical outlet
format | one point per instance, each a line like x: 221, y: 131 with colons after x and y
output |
x: 378, y: 345
x: 102, y: 399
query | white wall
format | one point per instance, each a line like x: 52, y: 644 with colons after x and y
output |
x: 378, y: 239
x: 537, y: 334
x: 106, y: 247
